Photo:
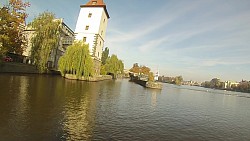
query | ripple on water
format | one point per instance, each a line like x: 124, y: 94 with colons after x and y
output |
x: 118, y: 110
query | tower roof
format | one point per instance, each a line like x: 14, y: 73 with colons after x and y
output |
x: 97, y: 3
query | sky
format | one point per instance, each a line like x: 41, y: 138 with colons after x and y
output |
x: 198, y: 40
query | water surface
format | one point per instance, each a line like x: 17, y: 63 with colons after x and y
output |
x: 40, y: 107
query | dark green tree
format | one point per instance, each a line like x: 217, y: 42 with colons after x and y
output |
x: 215, y: 83
x: 206, y: 84
x: 105, y: 55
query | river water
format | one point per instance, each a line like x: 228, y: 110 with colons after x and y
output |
x: 50, y: 108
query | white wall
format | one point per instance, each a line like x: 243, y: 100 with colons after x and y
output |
x: 97, y: 25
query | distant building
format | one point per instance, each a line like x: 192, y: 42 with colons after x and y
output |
x: 191, y: 83
x: 91, y: 28
x: 229, y: 84
x: 29, y: 34
x: 126, y: 73
x: 156, y: 77
x: 66, y: 39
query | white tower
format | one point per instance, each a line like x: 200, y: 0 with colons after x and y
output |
x: 91, y: 28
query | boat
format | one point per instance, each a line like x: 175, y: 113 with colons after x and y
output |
x: 143, y: 81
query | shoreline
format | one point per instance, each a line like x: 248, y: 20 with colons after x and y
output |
x: 90, y: 79
x: 26, y: 69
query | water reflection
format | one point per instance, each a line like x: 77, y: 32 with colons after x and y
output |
x: 154, y: 94
x: 79, y: 110
x: 18, y: 117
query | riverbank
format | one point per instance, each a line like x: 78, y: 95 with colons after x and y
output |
x: 12, y: 67
x: 90, y: 79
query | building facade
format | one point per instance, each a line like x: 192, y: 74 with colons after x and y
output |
x: 66, y: 38
x: 229, y: 84
x: 91, y: 28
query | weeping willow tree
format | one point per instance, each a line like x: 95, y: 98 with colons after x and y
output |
x: 77, y: 61
x: 45, y: 39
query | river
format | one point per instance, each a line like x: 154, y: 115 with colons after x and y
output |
x: 50, y: 108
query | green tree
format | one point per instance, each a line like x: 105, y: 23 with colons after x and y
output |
x: 77, y: 60
x: 206, y: 84
x: 5, y: 17
x: 178, y: 80
x: 215, y: 83
x: 114, y: 65
x: 103, y: 70
x: 151, y: 76
x: 12, y: 22
x: 46, y: 38
x: 105, y: 55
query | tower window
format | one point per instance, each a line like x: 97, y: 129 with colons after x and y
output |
x: 90, y: 15
x: 104, y: 20
x: 84, y: 39
x: 87, y: 27
x: 102, y: 32
x: 100, y: 43
x: 94, y: 2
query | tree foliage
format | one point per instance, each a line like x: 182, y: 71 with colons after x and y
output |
x: 105, y: 55
x: 144, y: 71
x: 114, y: 65
x: 77, y: 60
x: 12, y: 22
x: 178, y: 80
x: 111, y: 64
x: 172, y: 80
x: 135, y: 68
x: 46, y: 38
x: 151, y: 76
x: 215, y: 83
x: 243, y: 86
x: 141, y: 70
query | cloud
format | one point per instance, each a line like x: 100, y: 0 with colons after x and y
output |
x: 155, y: 21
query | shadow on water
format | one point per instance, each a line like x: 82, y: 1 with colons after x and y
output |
x: 49, y: 107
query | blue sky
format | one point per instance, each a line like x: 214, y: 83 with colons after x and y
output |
x: 197, y: 39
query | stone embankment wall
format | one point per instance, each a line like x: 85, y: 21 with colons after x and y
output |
x: 91, y: 79
x: 11, y: 67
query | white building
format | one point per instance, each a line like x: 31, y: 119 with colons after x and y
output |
x: 229, y: 84
x: 91, y: 28
x: 157, y: 74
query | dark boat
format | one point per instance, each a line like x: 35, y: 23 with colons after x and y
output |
x: 143, y: 81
